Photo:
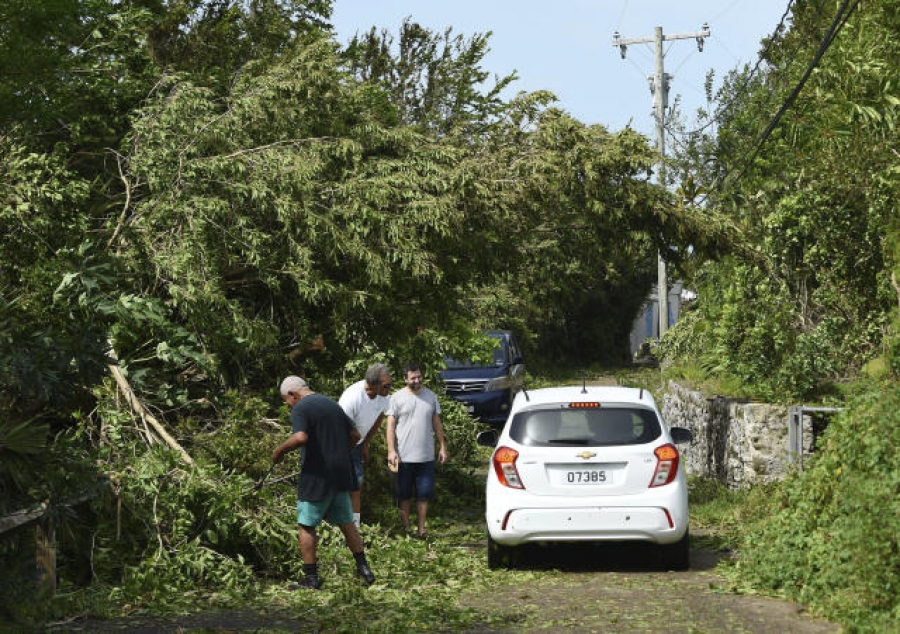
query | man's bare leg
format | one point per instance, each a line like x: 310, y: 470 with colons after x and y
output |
x: 421, y: 512
x: 403, y: 508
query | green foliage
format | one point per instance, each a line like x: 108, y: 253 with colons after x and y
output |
x: 460, y: 430
x: 311, y: 211
x: 47, y: 344
x: 166, y: 535
x: 742, y: 331
x: 686, y: 339
x: 239, y: 433
x: 434, y: 81
x: 802, y: 301
x: 564, y: 223
x: 49, y: 351
x: 723, y: 513
x: 208, y: 529
x: 75, y: 68
x: 213, y: 41
x: 68, y: 481
x: 828, y: 536
x: 582, y: 265
x: 683, y: 350
x: 164, y: 528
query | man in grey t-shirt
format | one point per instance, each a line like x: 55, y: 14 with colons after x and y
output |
x: 413, y: 424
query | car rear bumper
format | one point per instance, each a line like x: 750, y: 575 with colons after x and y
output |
x: 591, y: 522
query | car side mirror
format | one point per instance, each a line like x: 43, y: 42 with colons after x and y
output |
x: 487, y: 438
x: 681, y: 435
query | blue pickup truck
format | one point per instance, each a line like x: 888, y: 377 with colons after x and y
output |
x: 487, y: 390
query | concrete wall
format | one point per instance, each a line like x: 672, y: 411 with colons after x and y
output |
x: 737, y: 442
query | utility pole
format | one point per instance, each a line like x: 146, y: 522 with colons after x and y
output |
x: 659, y: 89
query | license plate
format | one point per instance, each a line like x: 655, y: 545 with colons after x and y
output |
x: 575, y: 475
x: 471, y: 408
x: 587, y: 476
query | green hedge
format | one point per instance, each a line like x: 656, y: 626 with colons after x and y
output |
x: 830, y: 536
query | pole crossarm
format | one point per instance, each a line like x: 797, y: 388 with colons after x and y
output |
x: 623, y: 43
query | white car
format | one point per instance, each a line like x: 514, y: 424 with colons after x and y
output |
x: 586, y: 464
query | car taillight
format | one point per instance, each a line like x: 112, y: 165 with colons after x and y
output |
x: 505, y: 466
x: 666, y: 465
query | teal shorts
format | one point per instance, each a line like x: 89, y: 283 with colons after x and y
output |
x: 335, y: 508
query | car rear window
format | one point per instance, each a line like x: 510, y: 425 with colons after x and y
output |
x: 604, y: 426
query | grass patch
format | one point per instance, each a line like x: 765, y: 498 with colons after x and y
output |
x: 695, y: 377
x: 720, y: 515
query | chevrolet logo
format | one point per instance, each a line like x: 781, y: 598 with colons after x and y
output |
x: 584, y: 455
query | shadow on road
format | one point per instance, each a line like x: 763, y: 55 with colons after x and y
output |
x: 605, y: 557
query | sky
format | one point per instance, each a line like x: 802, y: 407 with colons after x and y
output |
x: 566, y: 46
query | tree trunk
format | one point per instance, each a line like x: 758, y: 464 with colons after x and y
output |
x: 45, y: 557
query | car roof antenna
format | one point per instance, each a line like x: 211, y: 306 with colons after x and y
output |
x: 584, y: 382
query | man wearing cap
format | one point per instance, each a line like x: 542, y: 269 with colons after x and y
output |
x: 320, y: 426
x: 365, y: 403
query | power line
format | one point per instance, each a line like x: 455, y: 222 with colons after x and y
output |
x: 739, y: 92
x: 843, y: 14
x: 622, y: 15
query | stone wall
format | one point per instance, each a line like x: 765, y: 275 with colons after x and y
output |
x: 739, y: 443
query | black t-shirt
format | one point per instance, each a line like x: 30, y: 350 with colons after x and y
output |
x: 326, y: 457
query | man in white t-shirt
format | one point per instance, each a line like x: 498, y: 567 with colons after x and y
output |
x: 365, y: 403
x: 413, y: 424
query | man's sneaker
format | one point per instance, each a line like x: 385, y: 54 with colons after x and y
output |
x: 363, y: 571
x: 309, y: 581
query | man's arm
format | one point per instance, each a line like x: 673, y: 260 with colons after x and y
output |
x: 294, y: 441
x: 391, y: 434
x: 375, y: 427
x: 438, y: 426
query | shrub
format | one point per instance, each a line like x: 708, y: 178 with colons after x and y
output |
x: 829, y: 538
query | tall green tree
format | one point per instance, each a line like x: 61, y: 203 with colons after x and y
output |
x: 581, y: 257
x: 288, y: 211
x: 570, y: 219
x: 77, y: 69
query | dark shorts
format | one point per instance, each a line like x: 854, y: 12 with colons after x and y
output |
x: 356, y: 461
x: 418, y: 477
